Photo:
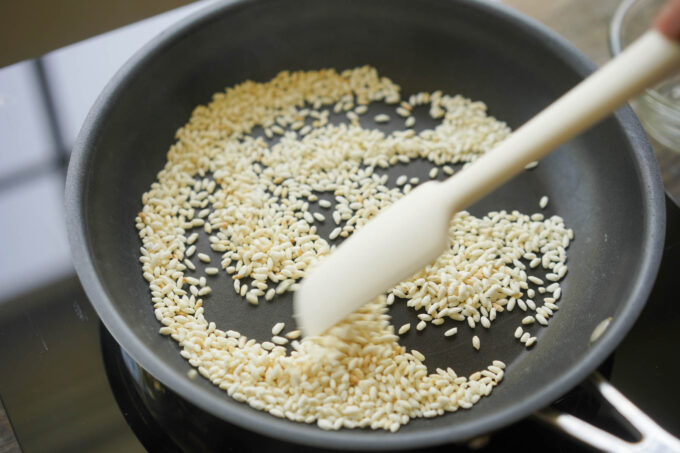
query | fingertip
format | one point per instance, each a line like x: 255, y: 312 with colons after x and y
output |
x: 668, y: 20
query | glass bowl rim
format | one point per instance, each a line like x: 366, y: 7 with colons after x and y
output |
x: 614, y: 41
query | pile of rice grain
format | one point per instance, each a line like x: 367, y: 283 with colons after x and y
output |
x: 253, y: 197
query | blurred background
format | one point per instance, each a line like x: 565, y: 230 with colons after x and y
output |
x: 45, y: 95
x: 52, y: 71
x: 55, y: 59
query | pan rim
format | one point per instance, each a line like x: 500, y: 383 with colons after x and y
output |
x: 263, y: 423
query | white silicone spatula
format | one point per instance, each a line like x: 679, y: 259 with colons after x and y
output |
x: 413, y: 232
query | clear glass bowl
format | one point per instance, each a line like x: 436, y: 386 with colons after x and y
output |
x: 657, y: 108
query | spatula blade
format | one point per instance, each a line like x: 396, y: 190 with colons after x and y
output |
x: 398, y: 242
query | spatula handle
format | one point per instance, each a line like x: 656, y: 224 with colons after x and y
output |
x: 647, y: 61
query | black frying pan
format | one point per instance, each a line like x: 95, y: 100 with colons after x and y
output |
x: 604, y: 183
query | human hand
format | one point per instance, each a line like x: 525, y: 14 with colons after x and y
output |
x: 668, y: 20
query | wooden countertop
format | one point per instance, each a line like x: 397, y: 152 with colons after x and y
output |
x: 35, y: 27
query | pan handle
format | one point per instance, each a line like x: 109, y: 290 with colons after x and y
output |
x: 653, y: 437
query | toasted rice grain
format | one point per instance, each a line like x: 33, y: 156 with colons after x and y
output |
x: 252, y: 198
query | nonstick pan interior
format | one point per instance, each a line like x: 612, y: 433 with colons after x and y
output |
x: 603, y: 183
